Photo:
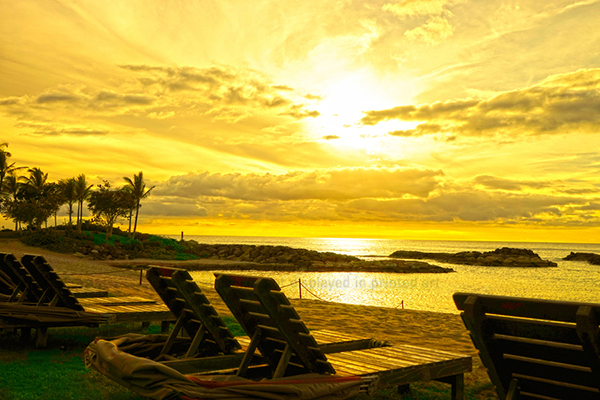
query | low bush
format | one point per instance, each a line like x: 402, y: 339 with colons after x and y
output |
x: 71, y: 241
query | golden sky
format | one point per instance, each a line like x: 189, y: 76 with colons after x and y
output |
x: 417, y: 119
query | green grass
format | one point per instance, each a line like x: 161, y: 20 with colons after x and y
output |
x: 100, y: 238
x: 161, y: 242
x: 58, y: 372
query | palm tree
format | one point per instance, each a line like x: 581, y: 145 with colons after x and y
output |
x: 6, y: 167
x: 139, y: 192
x: 82, y: 191
x: 68, y: 188
x: 12, y: 186
x: 36, y: 180
x: 41, y: 191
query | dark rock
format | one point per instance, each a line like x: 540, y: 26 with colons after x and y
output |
x: 285, y: 258
x: 591, y: 258
x: 504, y: 257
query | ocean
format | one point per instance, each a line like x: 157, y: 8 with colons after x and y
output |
x: 571, y: 280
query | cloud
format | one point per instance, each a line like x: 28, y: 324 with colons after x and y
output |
x: 51, y: 129
x: 420, y: 130
x: 436, y: 27
x: 413, y: 8
x: 474, y: 206
x: 375, y: 195
x: 566, y: 103
x: 433, y: 32
x: 330, y: 137
x: 492, y: 182
x: 57, y: 97
x: 156, y: 93
x: 223, y: 92
x: 330, y: 184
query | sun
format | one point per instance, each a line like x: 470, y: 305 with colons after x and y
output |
x: 345, y: 99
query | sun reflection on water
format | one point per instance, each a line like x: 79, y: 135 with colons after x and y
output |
x: 570, y: 281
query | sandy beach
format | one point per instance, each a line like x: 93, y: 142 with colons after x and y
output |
x: 430, y: 329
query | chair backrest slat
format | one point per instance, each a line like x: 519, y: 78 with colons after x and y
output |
x: 550, y: 348
x: 50, y: 282
x: 19, y: 275
x: 258, y: 304
x: 182, y: 295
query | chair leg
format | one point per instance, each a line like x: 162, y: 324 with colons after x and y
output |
x: 513, y: 390
x: 458, y: 387
x: 41, y: 337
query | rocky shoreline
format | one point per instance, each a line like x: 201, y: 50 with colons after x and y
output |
x: 399, y: 266
x: 504, y: 257
x: 234, y: 257
x: 283, y: 258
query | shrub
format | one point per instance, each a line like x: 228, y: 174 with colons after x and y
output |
x: 52, y: 241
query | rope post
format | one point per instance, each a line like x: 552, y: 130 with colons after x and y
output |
x: 402, y: 304
x: 141, y: 275
x: 300, y: 287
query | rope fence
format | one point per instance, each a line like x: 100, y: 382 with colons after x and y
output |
x: 301, y: 285
x: 298, y: 282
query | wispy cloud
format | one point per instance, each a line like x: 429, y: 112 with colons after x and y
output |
x: 156, y: 92
x: 436, y: 27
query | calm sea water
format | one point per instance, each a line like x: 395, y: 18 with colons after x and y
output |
x: 575, y: 281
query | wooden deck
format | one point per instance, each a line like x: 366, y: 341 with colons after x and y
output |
x: 288, y: 348
x: 85, y: 292
x: 128, y: 309
x: 396, y: 365
x: 401, y: 364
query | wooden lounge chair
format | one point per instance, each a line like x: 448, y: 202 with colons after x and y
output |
x: 535, y: 349
x: 194, y: 313
x: 201, y: 321
x: 286, y: 349
x: 39, y: 285
x: 282, y: 338
x: 33, y: 305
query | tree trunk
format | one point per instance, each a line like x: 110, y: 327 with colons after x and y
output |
x: 70, y: 214
x: 79, y: 211
x: 109, y: 230
x: 137, y: 210
x: 130, y: 218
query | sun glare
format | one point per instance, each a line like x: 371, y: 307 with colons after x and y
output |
x: 345, y: 100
